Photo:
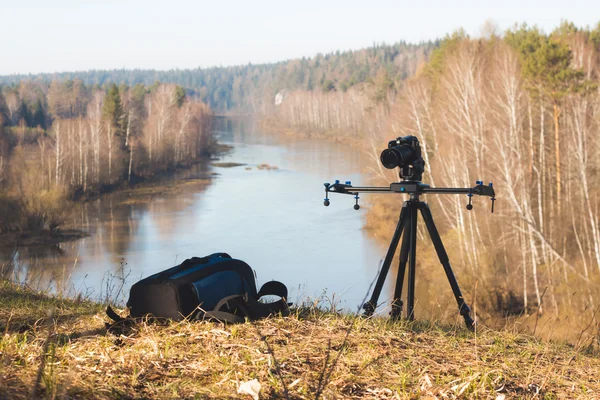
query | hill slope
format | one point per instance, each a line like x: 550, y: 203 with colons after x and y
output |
x: 312, y: 354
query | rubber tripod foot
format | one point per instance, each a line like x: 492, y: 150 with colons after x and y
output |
x: 369, y: 309
x: 471, y: 323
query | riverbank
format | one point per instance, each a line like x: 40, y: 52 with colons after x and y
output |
x: 142, y: 192
x: 139, y: 189
x: 313, y: 353
x: 154, y: 180
x: 44, y: 238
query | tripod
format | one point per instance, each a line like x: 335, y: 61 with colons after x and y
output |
x: 407, y: 230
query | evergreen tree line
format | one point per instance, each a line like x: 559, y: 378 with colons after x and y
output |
x: 248, y: 87
x: 80, y: 140
x: 522, y: 110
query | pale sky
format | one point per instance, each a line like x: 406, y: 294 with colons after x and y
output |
x: 68, y: 35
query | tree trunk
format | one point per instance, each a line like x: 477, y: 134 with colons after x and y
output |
x: 128, y: 128
x: 57, y: 172
x: 109, y: 137
x: 130, y: 163
x: 531, y: 148
x: 557, y: 150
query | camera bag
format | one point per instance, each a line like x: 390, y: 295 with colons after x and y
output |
x: 216, y: 286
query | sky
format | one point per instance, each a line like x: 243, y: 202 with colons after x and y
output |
x: 67, y: 35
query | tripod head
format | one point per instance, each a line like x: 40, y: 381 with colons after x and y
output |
x: 413, y: 188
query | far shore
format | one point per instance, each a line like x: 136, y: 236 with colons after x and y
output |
x: 143, y: 191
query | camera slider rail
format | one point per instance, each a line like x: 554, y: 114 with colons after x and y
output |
x: 408, y: 187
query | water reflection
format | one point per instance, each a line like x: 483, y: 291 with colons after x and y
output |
x: 273, y: 219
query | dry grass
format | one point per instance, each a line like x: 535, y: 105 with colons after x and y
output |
x: 308, y: 355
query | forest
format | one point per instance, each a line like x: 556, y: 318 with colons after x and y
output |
x: 66, y: 140
x: 245, y: 88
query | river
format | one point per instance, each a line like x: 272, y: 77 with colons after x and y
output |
x: 273, y: 219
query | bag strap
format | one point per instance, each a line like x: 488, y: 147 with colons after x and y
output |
x: 118, y: 324
x: 249, y: 307
x: 113, y: 315
x: 274, y: 288
x: 231, y: 303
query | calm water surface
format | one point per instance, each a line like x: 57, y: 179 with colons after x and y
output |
x: 272, y: 219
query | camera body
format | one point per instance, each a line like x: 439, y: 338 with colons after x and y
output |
x: 405, y: 153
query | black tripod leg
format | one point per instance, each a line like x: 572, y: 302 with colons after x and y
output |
x: 465, y: 311
x: 371, y: 305
x: 410, y: 297
x: 404, y: 249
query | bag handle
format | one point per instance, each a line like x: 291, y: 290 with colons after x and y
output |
x: 274, y: 288
x: 262, y: 310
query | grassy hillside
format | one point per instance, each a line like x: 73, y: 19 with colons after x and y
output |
x: 311, y: 354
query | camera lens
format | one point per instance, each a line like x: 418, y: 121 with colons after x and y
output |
x: 390, y: 158
x: 397, y: 156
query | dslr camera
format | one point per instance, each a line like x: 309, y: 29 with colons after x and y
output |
x: 405, y: 153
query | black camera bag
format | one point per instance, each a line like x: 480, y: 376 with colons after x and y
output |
x: 216, y: 286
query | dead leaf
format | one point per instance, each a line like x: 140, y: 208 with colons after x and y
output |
x: 251, y: 388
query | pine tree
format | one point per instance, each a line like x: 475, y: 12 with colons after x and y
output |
x: 38, y: 118
x: 113, y: 113
x: 24, y: 113
x: 113, y: 110
x: 179, y: 95
x: 382, y: 84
